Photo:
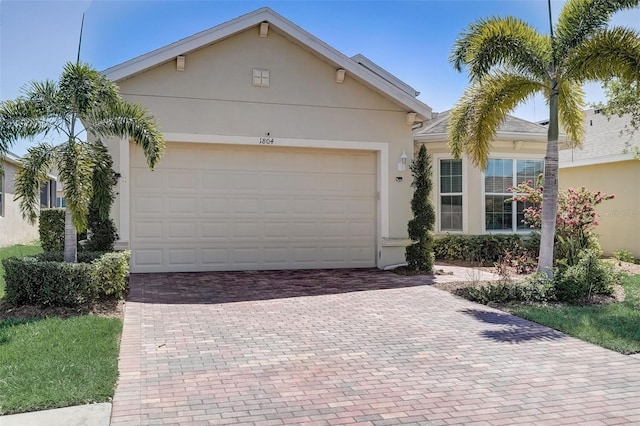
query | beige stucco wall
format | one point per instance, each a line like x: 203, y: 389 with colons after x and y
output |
x: 13, y: 228
x: 215, y: 96
x: 473, y: 198
x: 619, y: 218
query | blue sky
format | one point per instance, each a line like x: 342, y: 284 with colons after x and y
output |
x: 411, y: 39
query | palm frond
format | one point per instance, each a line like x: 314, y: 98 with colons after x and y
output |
x: 31, y: 176
x: 507, y: 43
x: 571, y: 111
x: 20, y: 118
x: 129, y: 120
x: 609, y: 53
x: 75, y: 166
x: 85, y: 89
x: 103, y: 178
x: 483, y: 108
x: 579, y: 19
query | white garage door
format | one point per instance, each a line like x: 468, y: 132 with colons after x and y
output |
x: 224, y: 207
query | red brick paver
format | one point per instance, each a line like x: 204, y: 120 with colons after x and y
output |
x: 352, y: 347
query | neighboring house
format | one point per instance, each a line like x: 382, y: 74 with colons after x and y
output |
x: 282, y: 153
x: 606, y: 162
x: 472, y: 201
x: 13, y: 228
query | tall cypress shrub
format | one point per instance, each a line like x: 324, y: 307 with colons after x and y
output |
x: 419, y: 254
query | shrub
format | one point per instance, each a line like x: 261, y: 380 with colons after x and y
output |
x: 33, y: 282
x: 486, y: 249
x: 535, y: 289
x: 589, y: 276
x: 58, y: 256
x: 419, y: 254
x: 51, y: 229
x: 624, y: 255
x: 110, y: 272
x: 38, y: 280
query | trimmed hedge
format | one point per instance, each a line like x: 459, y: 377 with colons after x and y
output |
x: 38, y: 280
x: 51, y: 229
x: 484, y: 249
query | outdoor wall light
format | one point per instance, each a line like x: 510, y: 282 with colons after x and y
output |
x: 402, y: 165
x: 340, y: 73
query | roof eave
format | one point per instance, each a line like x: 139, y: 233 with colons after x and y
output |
x: 242, y: 23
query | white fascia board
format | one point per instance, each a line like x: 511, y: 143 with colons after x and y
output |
x: 597, y: 160
x: 500, y: 136
x: 242, y: 23
x: 377, y: 69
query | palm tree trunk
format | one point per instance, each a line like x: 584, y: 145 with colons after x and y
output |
x: 70, y: 239
x: 550, y: 188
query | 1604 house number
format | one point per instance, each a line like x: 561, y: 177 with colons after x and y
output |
x: 266, y: 141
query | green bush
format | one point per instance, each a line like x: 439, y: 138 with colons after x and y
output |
x: 484, y: 249
x: 537, y: 289
x: 33, y: 282
x: 589, y: 276
x: 58, y: 256
x: 38, y: 280
x: 51, y: 229
x: 110, y: 274
x: 624, y: 255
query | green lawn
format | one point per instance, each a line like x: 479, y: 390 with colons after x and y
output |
x: 615, y: 326
x: 15, y: 251
x: 55, y: 362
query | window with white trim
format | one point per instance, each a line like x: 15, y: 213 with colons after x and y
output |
x: 450, y: 195
x: 500, y: 175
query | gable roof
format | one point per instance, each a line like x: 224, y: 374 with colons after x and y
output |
x: 512, y: 128
x: 375, y: 77
x: 605, y: 141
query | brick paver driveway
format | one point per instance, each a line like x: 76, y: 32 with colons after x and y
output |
x: 347, y: 347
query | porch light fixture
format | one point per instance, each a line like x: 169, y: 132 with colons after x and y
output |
x: 402, y: 165
x: 340, y: 73
x: 180, y: 60
x: 264, y: 29
x: 411, y: 117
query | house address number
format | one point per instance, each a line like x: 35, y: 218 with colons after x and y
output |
x: 266, y: 141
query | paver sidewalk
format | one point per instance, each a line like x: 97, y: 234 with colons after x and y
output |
x: 364, y: 347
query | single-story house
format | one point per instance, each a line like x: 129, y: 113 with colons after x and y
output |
x: 472, y: 201
x: 14, y: 229
x: 282, y: 153
x: 607, y: 162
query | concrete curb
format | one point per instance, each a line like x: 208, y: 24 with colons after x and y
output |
x: 81, y: 415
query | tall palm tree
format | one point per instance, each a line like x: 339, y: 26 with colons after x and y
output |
x: 82, y: 107
x: 508, y: 62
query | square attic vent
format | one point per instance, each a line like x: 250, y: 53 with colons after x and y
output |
x: 260, y: 77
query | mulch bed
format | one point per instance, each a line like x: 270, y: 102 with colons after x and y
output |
x: 105, y: 308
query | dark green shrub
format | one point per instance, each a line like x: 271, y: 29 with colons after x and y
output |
x: 51, y: 229
x: 589, y: 276
x: 485, y: 249
x: 101, y: 233
x: 32, y: 282
x: 419, y: 254
x: 534, y: 290
x: 40, y: 281
x: 58, y: 256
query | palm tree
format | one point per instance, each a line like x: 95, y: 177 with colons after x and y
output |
x: 508, y: 62
x: 82, y: 107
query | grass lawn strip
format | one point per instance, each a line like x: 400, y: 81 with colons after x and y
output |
x: 15, y: 251
x: 55, y: 362
x: 614, y: 326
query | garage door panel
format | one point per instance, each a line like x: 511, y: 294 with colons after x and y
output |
x: 264, y: 208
